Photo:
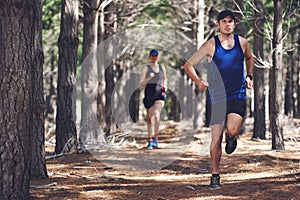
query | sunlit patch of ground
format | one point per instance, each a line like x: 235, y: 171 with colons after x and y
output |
x: 253, y: 171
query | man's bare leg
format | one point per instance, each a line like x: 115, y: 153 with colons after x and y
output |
x: 216, y: 153
x: 216, y: 146
x: 233, y: 125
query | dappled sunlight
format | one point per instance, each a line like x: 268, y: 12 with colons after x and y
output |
x: 252, y: 171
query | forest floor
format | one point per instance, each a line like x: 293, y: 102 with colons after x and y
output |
x: 253, y: 171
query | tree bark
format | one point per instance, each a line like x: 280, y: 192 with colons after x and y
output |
x: 66, y: 87
x: 102, y: 36
x: 298, y: 77
x: 276, y: 109
x: 259, y: 129
x: 38, y: 162
x: 110, y: 70
x: 51, y: 95
x: 199, y: 114
x: 17, y: 48
x: 134, y: 105
x: 288, y: 89
x: 89, y: 126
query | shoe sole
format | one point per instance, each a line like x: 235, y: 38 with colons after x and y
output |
x: 216, y: 188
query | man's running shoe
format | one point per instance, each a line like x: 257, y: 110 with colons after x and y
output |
x: 155, y: 143
x: 215, y: 182
x: 230, y: 144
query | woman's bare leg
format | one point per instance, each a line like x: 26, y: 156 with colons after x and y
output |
x: 150, y: 124
x: 155, y: 112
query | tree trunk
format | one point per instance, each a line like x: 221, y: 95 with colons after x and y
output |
x: 288, y: 89
x: 181, y: 90
x: 50, y: 96
x: 38, y: 162
x: 109, y: 71
x: 276, y: 80
x: 66, y: 87
x: 89, y: 127
x: 188, y: 99
x: 109, y: 80
x: 101, y: 70
x: 298, y: 77
x: 134, y: 105
x: 259, y: 129
x: 200, y: 100
x: 17, y: 48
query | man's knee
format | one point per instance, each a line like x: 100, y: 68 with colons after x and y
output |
x: 233, y: 130
x: 233, y: 124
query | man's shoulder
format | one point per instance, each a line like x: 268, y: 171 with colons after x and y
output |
x: 241, y: 38
x: 209, y: 44
x: 243, y: 41
x: 212, y: 39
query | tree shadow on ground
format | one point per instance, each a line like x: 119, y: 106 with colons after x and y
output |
x: 243, y: 177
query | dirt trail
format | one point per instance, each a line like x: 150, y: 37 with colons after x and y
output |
x: 179, y: 169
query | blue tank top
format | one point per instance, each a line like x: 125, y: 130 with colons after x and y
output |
x: 226, y: 73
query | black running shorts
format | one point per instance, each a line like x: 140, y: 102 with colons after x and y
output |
x: 149, y: 102
x: 215, y: 113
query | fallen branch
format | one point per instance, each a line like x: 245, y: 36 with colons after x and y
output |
x: 45, y: 186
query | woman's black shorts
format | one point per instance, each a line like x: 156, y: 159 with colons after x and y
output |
x: 149, y: 101
x: 216, y: 113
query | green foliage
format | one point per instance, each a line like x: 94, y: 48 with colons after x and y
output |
x: 51, y: 14
x: 156, y: 13
x: 291, y: 15
x: 51, y: 27
x: 160, y: 14
x: 170, y: 14
x: 51, y: 31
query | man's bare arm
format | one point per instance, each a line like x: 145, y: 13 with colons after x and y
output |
x: 195, y: 59
x: 249, y: 65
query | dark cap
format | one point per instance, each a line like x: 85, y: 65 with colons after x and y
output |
x: 153, y: 52
x: 225, y: 13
